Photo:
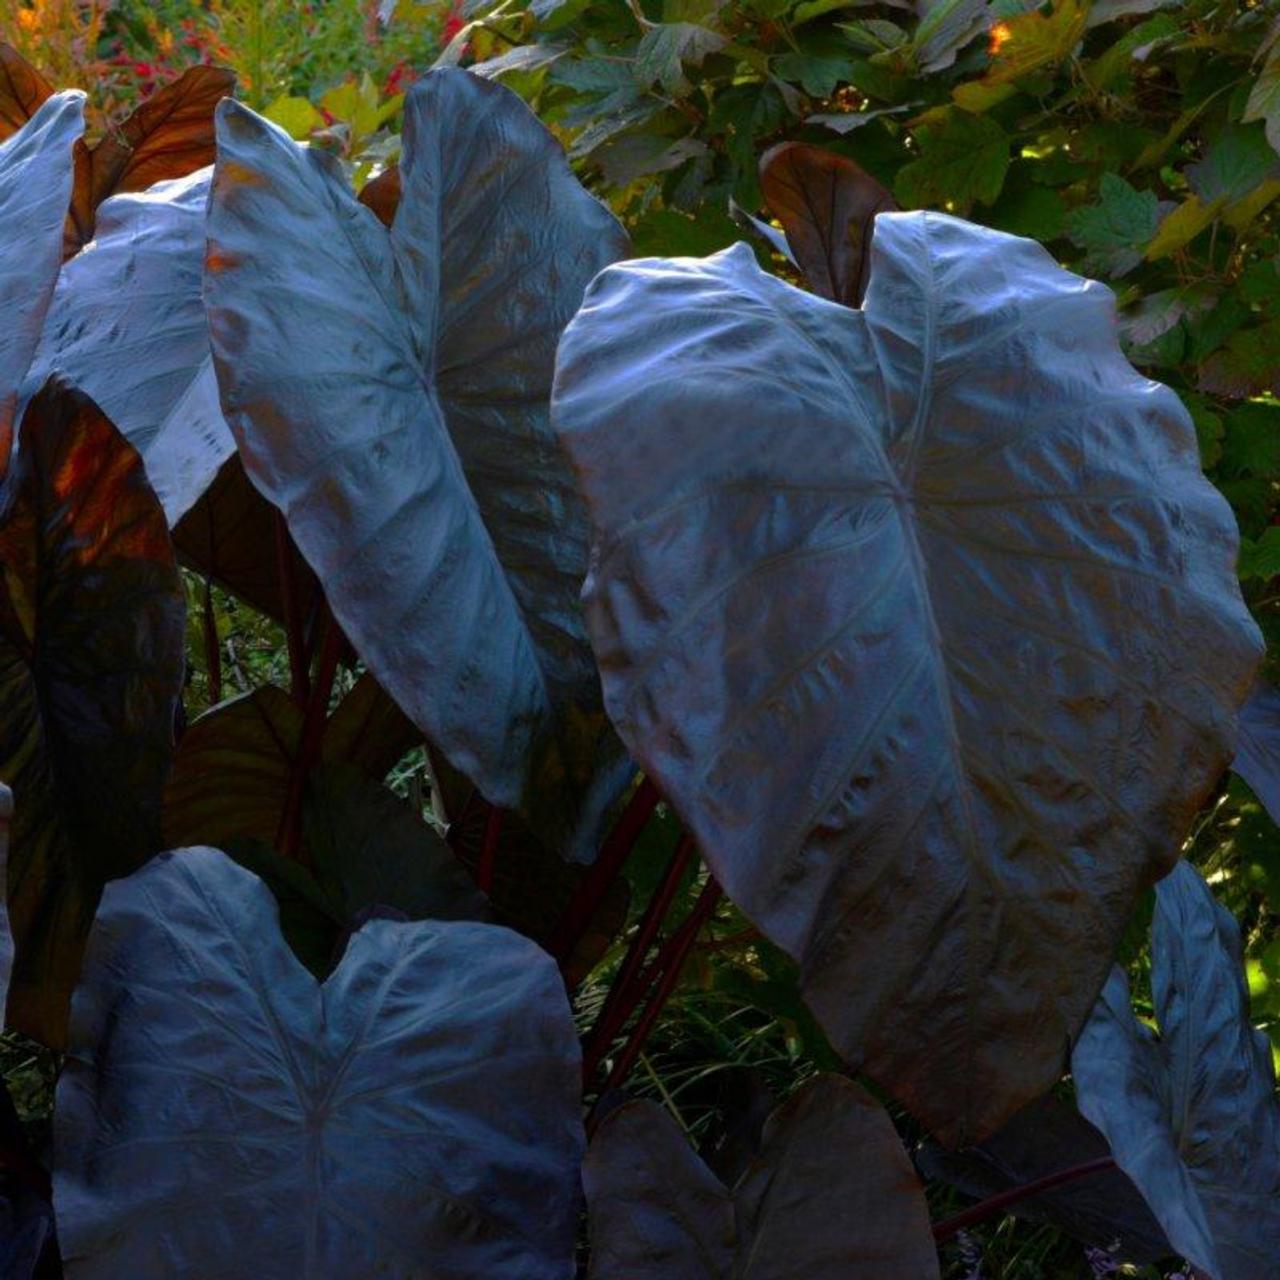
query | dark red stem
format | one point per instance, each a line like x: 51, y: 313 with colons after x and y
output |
x: 489, y: 850
x: 291, y: 604
x: 988, y: 1208
x: 317, y: 713
x: 603, y: 872
x: 626, y: 993
x: 670, y: 961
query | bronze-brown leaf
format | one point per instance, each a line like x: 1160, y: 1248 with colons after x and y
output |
x: 827, y: 206
x: 169, y: 136
x: 91, y: 665
x: 22, y: 90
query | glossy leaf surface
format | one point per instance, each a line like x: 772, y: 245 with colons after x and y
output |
x: 169, y: 135
x: 324, y: 1130
x: 883, y: 602
x: 1103, y: 1209
x: 831, y: 1195
x: 389, y: 393
x: 1192, y: 1115
x: 35, y: 184
x: 127, y: 325
x: 91, y: 667
x: 827, y: 206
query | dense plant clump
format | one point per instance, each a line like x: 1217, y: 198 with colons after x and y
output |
x: 475, y: 639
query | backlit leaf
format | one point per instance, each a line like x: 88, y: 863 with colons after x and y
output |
x: 882, y: 603
x: 91, y: 666
x: 168, y: 136
x: 830, y: 1195
x: 1192, y: 1115
x: 389, y: 392
x: 219, y: 1108
x: 22, y: 90
x: 827, y: 206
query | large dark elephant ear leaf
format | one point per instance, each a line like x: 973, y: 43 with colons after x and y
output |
x: 22, y: 90
x: 1103, y: 1209
x: 35, y: 185
x: 389, y: 391
x: 1192, y: 1116
x: 169, y: 136
x: 417, y: 1114
x: 91, y: 667
x: 127, y: 326
x: 882, y: 602
x: 830, y: 1196
x: 827, y: 205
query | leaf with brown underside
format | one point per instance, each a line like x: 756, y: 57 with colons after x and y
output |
x: 22, y: 90
x: 382, y: 194
x: 830, y: 1196
x: 827, y: 206
x: 169, y: 136
x: 230, y: 536
x: 91, y: 666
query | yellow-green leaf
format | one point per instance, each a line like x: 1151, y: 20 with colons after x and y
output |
x: 296, y: 116
x: 1181, y: 226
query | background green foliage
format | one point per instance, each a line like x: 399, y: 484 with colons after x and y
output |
x: 1138, y: 140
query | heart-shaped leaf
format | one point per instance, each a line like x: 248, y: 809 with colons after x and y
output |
x: 127, y: 326
x: 1103, y: 1209
x: 827, y: 206
x: 882, y: 602
x: 22, y: 90
x: 1192, y: 1116
x: 1258, y: 749
x: 169, y: 136
x: 389, y: 392
x: 830, y: 1196
x: 416, y: 1114
x: 91, y: 667
x: 35, y: 185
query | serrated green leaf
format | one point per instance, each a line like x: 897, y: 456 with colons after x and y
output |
x: 962, y: 160
x: 1114, y: 232
x: 665, y: 50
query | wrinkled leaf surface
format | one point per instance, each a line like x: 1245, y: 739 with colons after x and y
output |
x: 342, y: 1129
x: 389, y: 393
x: 924, y: 619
